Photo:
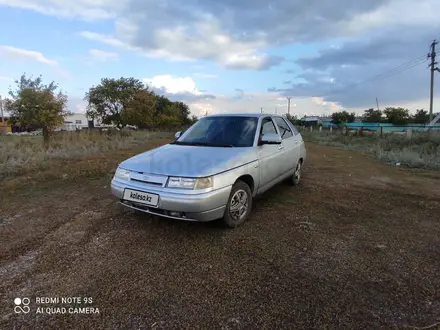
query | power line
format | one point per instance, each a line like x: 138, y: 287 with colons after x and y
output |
x: 401, y: 68
x: 396, y: 70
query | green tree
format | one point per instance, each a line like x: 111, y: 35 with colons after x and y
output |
x: 193, y: 119
x: 33, y: 103
x: 170, y: 116
x: 161, y: 104
x: 293, y: 119
x: 372, y: 116
x: 183, y: 112
x: 107, y: 100
x: 141, y: 110
x: 420, y: 117
x: 396, y: 116
x: 343, y: 117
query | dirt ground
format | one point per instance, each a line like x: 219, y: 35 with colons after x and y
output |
x: 356, y: 245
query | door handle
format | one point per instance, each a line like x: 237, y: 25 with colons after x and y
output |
x: 280, y: 147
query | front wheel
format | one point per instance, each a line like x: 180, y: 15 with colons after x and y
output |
x: 296, y: 177
x: 239, y: 205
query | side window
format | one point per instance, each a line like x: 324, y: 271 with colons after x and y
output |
x: 285, y: 129
x: 294, y: 129
x: 267, y: 126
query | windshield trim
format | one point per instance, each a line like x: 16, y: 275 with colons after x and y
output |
x: 202, y: 144
x: 251, y: 144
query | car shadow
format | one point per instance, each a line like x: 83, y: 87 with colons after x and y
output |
x: 277, y: 195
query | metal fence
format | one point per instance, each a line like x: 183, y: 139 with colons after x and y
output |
x: 385, y: 127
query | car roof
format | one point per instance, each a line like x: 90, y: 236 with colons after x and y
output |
x: 243, y: 114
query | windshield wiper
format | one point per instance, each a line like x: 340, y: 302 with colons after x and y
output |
x: 204, y: 144
x: 221, y: 145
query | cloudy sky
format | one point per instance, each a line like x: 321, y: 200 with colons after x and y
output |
x: 228, y: 55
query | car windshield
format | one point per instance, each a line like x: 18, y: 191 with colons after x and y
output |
x: 221, y: 131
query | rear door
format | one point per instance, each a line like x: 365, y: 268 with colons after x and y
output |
x: 269, y: 155
x: 298, y: 141
x: 290, y: 151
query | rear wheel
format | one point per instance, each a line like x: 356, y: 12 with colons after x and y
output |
x: 239, y: 205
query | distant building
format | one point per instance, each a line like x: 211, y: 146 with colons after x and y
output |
x: 315, y: 120
x: 5, y: 127
x: 76, y: 121
x: 325, y: 119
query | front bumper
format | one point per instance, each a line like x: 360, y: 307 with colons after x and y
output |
x: 193, y: 207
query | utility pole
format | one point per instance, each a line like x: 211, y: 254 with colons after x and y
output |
x: 288, y: 105
x: 3, y: 118
x: 377, y: 103
x: 433, y: 64
x: 261, y: 110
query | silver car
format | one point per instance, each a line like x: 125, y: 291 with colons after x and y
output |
x: 214, y: 169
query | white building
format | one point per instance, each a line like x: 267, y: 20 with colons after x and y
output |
x: 76, y: 121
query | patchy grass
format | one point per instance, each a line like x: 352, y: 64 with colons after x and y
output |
x: 355, y: 246
x: 24, y: 154
x: 57, y: 171
x: 422, y: 151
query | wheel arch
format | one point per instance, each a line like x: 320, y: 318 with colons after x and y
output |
x: 249, y: 180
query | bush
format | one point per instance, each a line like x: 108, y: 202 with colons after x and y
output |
x: 125, y: 132
x: 19, y: 154
x: 422, y: 151
x: 112, y: 131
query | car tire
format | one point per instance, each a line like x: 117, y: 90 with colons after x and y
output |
x: 296, y: 176
x: 231, y: 218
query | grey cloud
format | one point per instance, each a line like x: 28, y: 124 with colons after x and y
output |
x: 240, y: 94
x: 272, y: 61
x: 251, y: 26
x: 284, y: 20
x: 264, y: 63
x: 335, y: 73
x: 183, y: 97
x: 392, y: 45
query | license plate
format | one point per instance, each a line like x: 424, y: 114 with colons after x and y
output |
x: 140, y: 197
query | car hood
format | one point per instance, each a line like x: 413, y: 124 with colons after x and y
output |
x: 189, y: 161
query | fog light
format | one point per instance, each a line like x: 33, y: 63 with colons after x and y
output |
x: 175, y: 214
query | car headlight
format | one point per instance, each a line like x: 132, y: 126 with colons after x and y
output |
x: 122, y: 174
x: 204, y: 183
x: 190, y: 183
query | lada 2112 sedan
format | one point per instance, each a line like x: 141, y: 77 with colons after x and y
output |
x: 214, y: 169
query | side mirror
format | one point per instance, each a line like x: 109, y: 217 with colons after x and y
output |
x: 270, y: 138
x: 178, y: 134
